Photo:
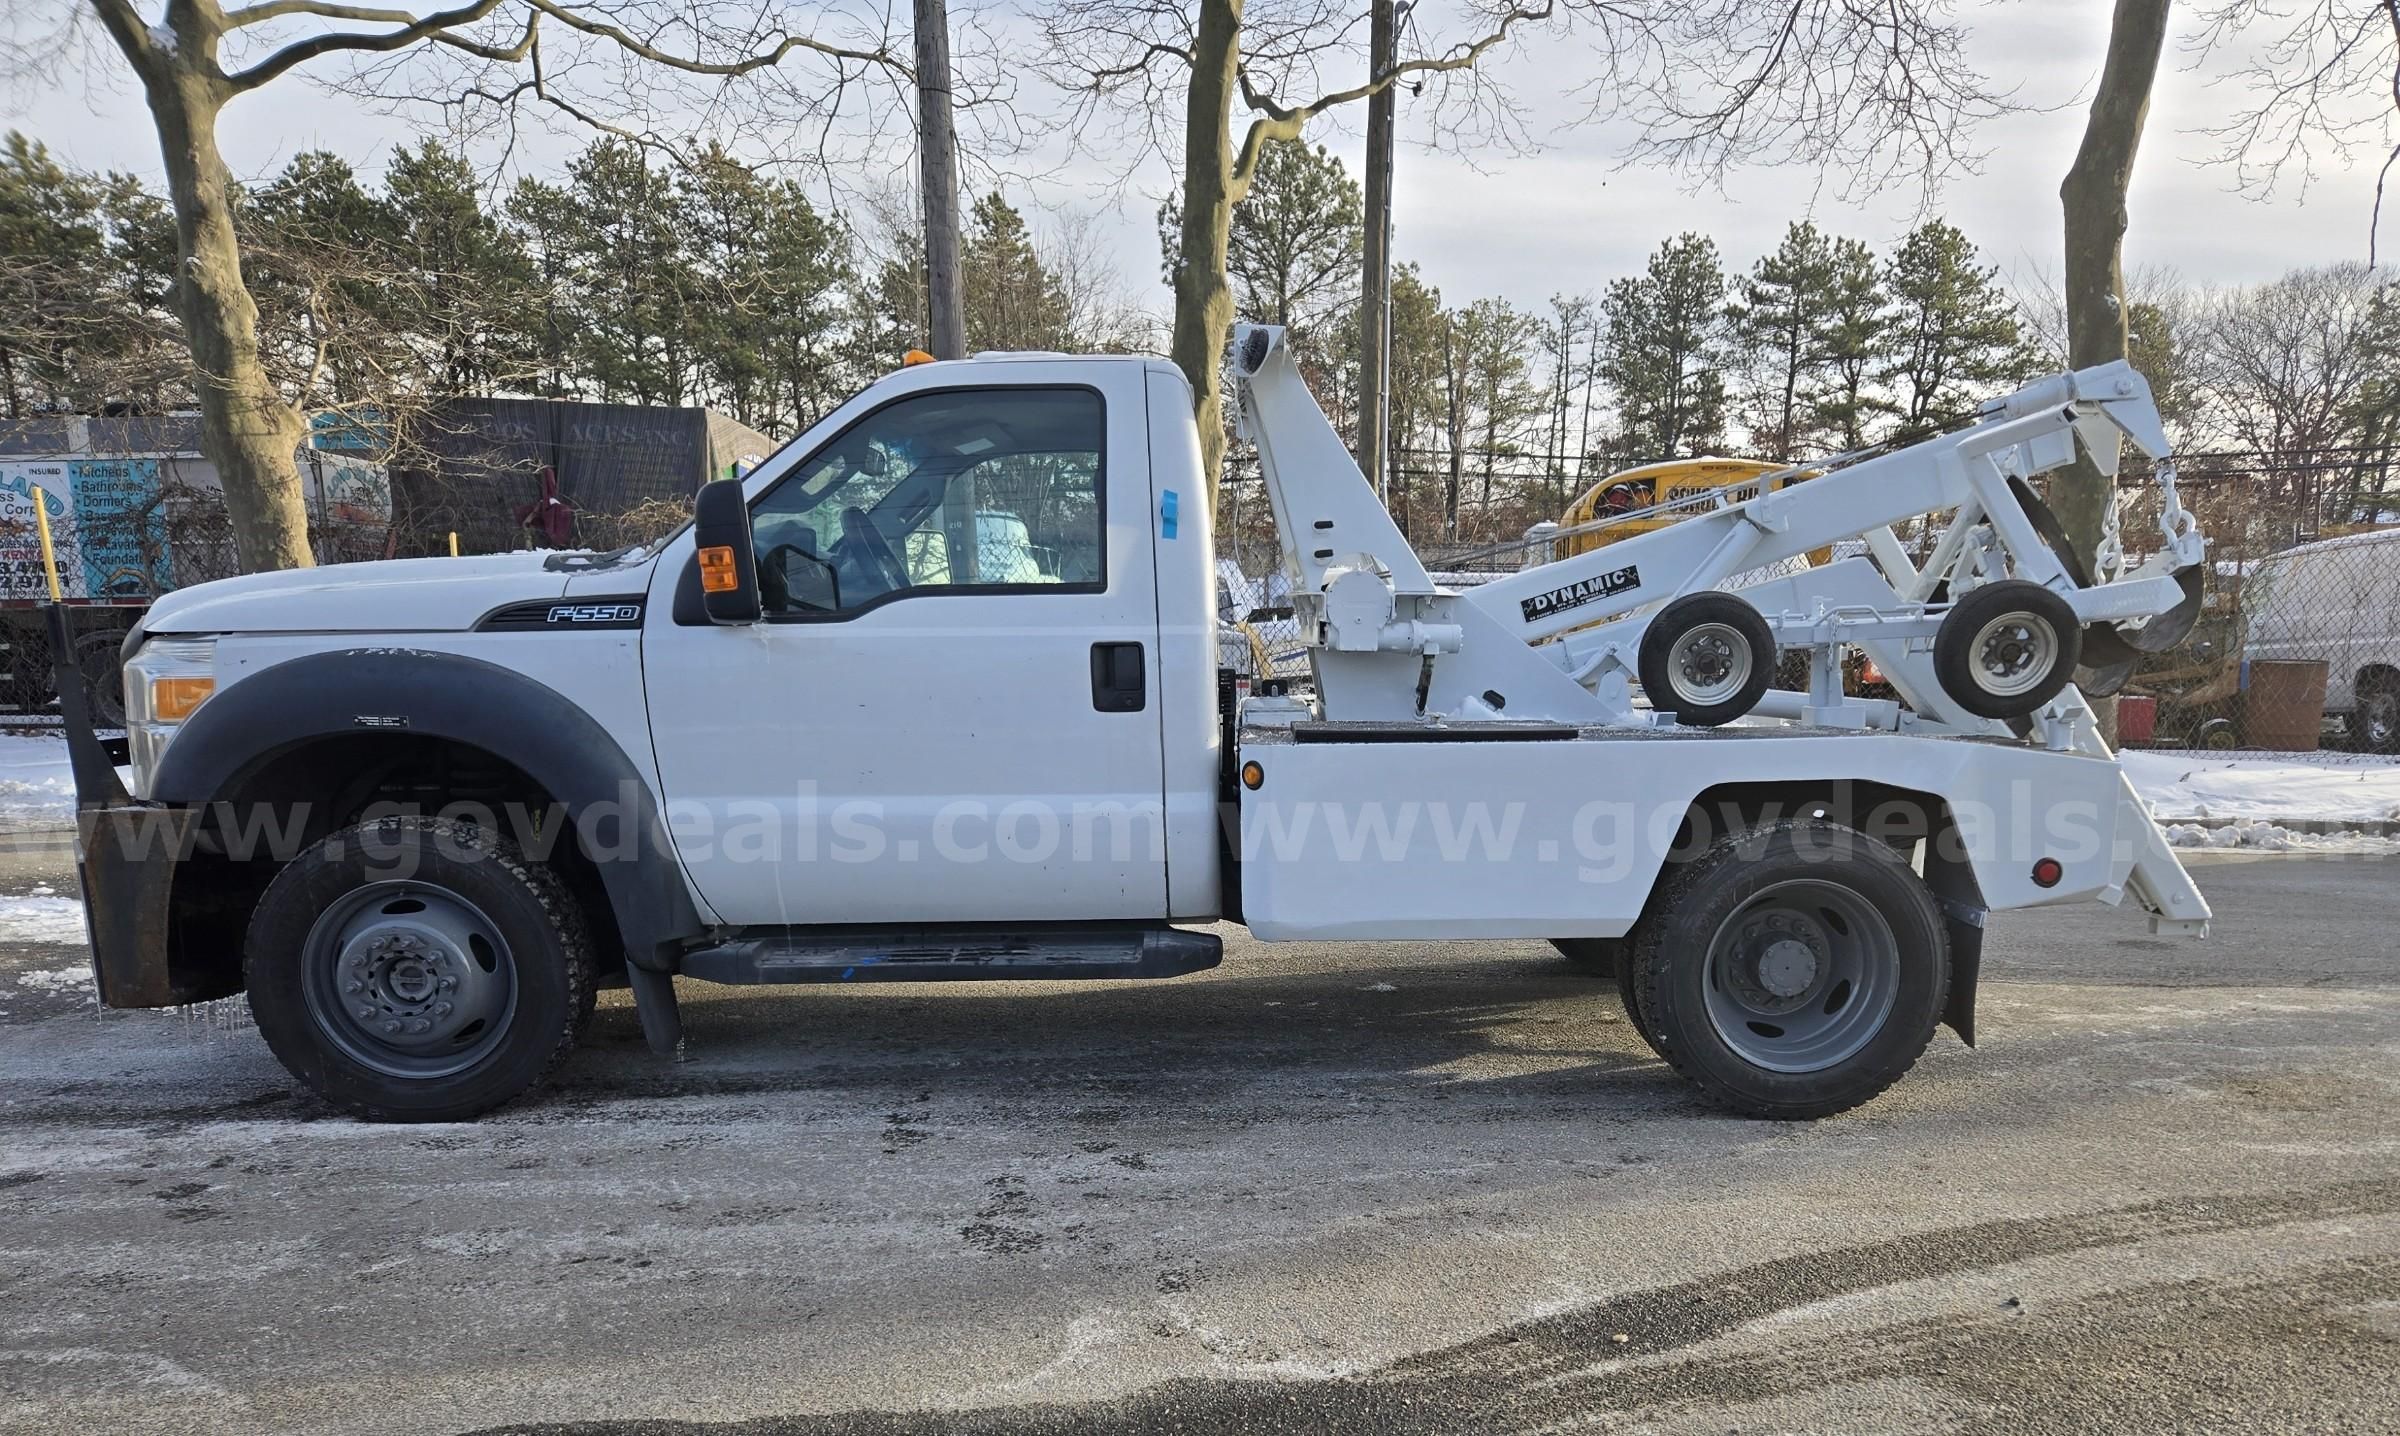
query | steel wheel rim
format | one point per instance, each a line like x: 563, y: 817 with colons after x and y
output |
x: 2383, y: 720
x: 2013, y: 653
x: 409, y: 979
x: 1801, y: 976
x: 1709, y: 664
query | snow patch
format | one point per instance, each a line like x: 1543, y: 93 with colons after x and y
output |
x: 41, y: 919
x: 2270, y: 787
x: 63, y: 979
x: 2252, y: 836
x: 36, y: 782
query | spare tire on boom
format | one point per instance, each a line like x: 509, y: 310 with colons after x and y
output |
x: 2007, y: 648
x: 1707, y: 658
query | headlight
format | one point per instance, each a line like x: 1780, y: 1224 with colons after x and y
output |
x: 165, y: 680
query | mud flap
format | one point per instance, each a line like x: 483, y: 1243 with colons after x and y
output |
x: 128, y: 857
x: 654, y: 1005
x: 1965, y: 926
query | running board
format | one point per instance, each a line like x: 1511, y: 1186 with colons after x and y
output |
x: 881, y: 954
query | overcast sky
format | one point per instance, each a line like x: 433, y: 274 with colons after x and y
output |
x: 1565, y: 219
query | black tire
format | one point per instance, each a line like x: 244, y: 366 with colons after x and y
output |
x: 1706, y: 658
x: 1629, y: 992
x: 1690, y: 963
x: 2217, y: 735
x: 2375, y: 723
x: 2006, y: 648
x: 1592, y: 956
x: 522, y: 930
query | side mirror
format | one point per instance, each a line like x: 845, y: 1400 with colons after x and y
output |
x: 728, y: 564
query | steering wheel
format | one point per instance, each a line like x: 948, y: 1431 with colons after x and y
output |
x: 878, y: 549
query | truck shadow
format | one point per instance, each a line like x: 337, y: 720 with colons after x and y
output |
x: 1522, y: 1023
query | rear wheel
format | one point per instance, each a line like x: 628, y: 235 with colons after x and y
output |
x: 1792, y: 972
x: 418, y: 970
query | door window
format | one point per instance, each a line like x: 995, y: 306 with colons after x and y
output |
x: 948, y: 491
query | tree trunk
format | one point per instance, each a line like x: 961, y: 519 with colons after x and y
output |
x: 1203, y: 297
x: 2093, y: 197
x: 2094, y: 200
x: 246, y: 428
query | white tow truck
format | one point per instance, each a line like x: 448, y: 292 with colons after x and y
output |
x: 933, y: 694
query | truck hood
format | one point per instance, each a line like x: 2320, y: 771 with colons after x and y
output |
x: 409, y: 595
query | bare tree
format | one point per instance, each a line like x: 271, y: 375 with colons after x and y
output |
x: 2283, y: 363
x: 1880, y: 93
x: 2322, y: 79
x: 196, y: 58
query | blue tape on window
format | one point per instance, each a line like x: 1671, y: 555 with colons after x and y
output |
x: 1166, y: 513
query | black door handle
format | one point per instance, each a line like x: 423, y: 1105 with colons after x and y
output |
x: 1118, y: 685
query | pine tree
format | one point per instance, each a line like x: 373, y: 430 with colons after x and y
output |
x: 1954, y: 334
x: 1856, y: 323
x: 1014, y: 300
x: 1293, y: 251
x: 1662, y: 349
x: 532, y: 213
x: 768, y: 274
x: 462, y: 281
x: 51, y: 240
x: 1779, y: 320
x: 629, y: 282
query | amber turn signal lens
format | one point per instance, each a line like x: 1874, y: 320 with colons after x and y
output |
x: 1252, y: 776
x: 173, y: 699
x: 717, y: 573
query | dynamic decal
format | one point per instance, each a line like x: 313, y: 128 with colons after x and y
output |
x: 1576, y: 595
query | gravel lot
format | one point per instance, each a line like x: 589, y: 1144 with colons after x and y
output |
x: 1325, y: 1188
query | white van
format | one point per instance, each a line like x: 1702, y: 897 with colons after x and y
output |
x: 2336, y: 600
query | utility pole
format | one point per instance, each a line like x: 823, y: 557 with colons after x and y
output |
x: 1375, y: 288
x: 937, y: 179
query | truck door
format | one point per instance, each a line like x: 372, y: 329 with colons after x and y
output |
x: 950, y: 710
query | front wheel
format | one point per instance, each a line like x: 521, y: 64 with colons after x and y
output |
x: 418, y: 970
x: 1793, y: 972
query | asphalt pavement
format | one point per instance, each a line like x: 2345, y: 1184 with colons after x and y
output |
x: 1325, y: 1188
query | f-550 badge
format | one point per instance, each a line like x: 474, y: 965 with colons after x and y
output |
x: 594, y: 613
x: 1576, y: 595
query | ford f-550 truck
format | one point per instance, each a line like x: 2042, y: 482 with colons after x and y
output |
x: 933, y: 694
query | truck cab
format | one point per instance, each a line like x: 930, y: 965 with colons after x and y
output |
x: 934, y: 693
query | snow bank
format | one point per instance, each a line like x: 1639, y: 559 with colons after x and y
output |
x: 34, y: 779
x: 2244, y: 834
x: 2281, y: 787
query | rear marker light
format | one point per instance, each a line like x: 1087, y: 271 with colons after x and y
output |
x: 2047, y: 872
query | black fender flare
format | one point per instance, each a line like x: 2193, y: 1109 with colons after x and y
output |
x: 240, y: 731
